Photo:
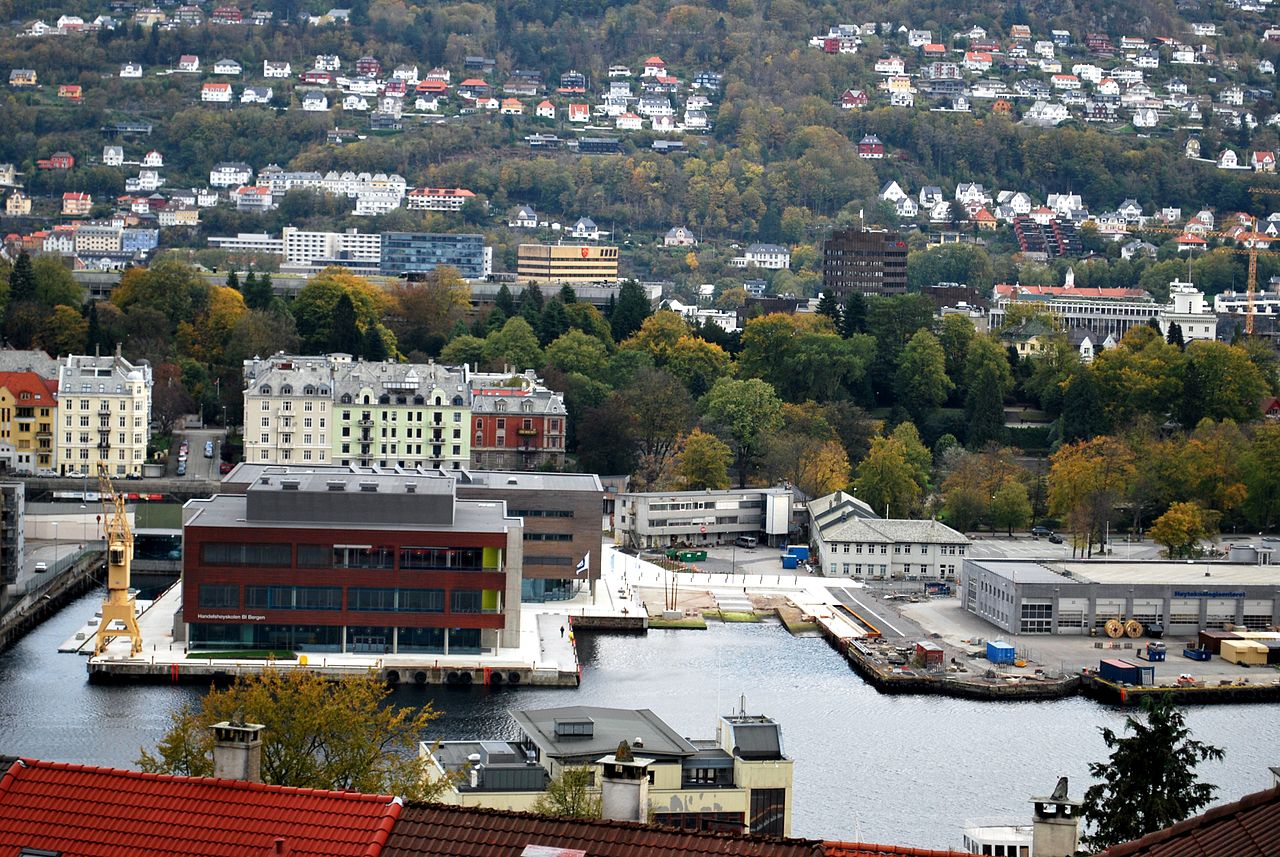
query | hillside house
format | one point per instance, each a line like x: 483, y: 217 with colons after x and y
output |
x: 870, y: 147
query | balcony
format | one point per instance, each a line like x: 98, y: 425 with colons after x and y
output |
x: 527, y: 432
x: 365, y: 422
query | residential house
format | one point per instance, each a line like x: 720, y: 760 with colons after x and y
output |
x: 227, y: 67
x: 22, y: 77
x: 511, y: 107
x: 979, y: 61
x: 277, y: 69
x: 904, y: 98
x: 407, y: 72
x: 112, y: 156
x: 355, y: 102
x: 131, y: 70
x: 1145, y: 117
x: 654, y: 67
x: 75, y: 204
x: 1228, y: 160
x: 216, y: 93
x: 368, y: 67
x: 524, y: 218
x: 581, y: 113
x: 226, y: 16
x: 984, y: 220
x: 545, y: 110
x: 870, y: 147
x: 906, y: 208
x: 919, y: 38
x: 931, y: 195
x: 18, y: 204
x: 70, y: 92
x: 327, y: 62
x: 972, y: 193
x: 679, y: 236
x: 189, y: 63
x: 852, y: 99
x: 438, y: 198
x: 1263, y: 162
x: 230, y: 174
x: 315, y: 102
x: 256, y: 95
x: 629, y: 122
x: 586, y: 228
x: 252, y: 198
x: 57, y: 161
x: 771, y: 257
x: 318, y: 78
x: 1138, y: 249
x: 890, y: 65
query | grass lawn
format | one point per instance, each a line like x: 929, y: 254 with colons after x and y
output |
x: 691, y: 623
x: 729, y: 616
x: 246, y: 655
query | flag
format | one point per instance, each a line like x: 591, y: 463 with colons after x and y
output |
x: 584, y: 565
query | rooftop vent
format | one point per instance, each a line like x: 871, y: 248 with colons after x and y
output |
x: 336, y: 485
x: 288, y: 484
x: 370, y: 487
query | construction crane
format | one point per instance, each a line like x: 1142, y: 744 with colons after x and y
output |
x: 119, y: 605
x: 1251, y: 240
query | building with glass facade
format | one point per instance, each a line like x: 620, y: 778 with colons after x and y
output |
x: 344, y: 562
x: 416, y: 252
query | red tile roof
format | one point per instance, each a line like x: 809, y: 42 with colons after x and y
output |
x: 40, y: 391
x: 864, y: 849
x: 100, y: 812
x: 1250, y: 827
x: 434, y: 830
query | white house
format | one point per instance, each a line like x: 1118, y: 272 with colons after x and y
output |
x: 852, y: 542
x: 327, y: 62
x: 772, y: 257
x: 153, y: 159
x: 112, y: 156
x: 355, y: 102
x: 586, y: 228
x: 216, y: 93
x: 189, y: 63
x: 545, y: 110
x: 629, y: 122
x: 230, y: 174
x: 272, y: 68
x: 524, y: 218
x: 227, y: 67
x: 679, y: 236
x: 315, y: 102
x: 892, y: 192
x: 256, y: 95
x: 131, y: 69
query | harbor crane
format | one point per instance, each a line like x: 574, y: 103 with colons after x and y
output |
x: 120, y: 605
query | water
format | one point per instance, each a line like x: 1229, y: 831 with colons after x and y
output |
x: 904, y: 770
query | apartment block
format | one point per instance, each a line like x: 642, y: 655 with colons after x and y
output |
x: 105, y: 414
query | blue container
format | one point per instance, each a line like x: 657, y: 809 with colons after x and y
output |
x: 790, y: 561
x: 801, y: 552
x: 1000, y: 652
x: 1114, y: 669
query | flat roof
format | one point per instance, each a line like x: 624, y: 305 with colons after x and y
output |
x: 245, y: 473
x: 1198, y: 574
x: 609, y: 726
x: 229, y: 510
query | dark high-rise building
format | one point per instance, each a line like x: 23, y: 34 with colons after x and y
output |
x: 866, y: 261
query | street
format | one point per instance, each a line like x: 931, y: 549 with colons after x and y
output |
x: 197, y: 465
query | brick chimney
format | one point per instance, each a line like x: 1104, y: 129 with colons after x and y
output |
x: 1055, y: 824
x: 237, y: 751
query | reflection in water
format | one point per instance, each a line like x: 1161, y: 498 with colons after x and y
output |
x: 864, y: 762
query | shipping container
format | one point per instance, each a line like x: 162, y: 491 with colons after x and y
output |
x: 930, y: 654
x: 1212, y: 640
x: 1115, y: 669
x: 799, y: 551
x: 1000, y: 652
x: 1244, y: 652
x: 790, y: 561
x: 1273, y: 651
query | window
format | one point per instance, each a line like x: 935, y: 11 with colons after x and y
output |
x: 768, y: 811
x: 371, y: 599
x: 468, y: 559
x: 363, y: 556
x: 293, y: 597
x: 219, y: 595
x: 422, y: 600
x: 230, y: 553
x: 464, y: 601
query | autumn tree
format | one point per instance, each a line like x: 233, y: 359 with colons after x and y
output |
x: 1219, y: 382
x: 703, y: 462
x: 887, y: 480
x: 575, y: 351
x: 1182, y: 529
x: 1143, y: 375
x: 315, y: 306
x: 1260, y: 464
x: 514, y: 346
x: 1149, y: 782
x: 570, y: 795
x: 746, y: 413
x: 659, y: 411
x: 320, y: 734
x: 63, y: 331
x: 425, y: 311
x: 1086, y: 481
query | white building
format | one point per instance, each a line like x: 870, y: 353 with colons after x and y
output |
x: 271, y: 68
x: 311, y: 251
x: 229, y: 174
x: 773, y: 257
x: 664, y: 519
x: 438, y: 198
x: 112, y: 156
x: 105, y: 410
x: 852, y: 542
x: 1189, y: 311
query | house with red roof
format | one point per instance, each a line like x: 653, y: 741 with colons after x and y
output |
x: 579, y: 113
x: 1263, y: 162
x: 654, y: 67
x: 1249, y: 827
x: 545, y: 110
x: 28, y: 417
x: 58, y: 808
x: 70, y: 91
x: 76, y: 204
x: 438, y: 198
x: 1189, y: 242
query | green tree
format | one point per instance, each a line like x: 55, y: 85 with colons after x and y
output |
x: 314, y: 307
x: 1082, y: 414
x: 1219, y: 381
x: 373, y: 347
x: 344, y: 335
x: 570, y: 795
x: 987, y: 379
x: 463, y: 351
x: 1261, y: 467
x: 257, y: 291
x: 514, y: 346
x: 955, y: 334
x: 575, y: 351
x: 504, y: 301
x: 22, y: 280
x: 830, y: 307
x: 630, y: 311
x: 659, y: 411
x: 64, y: 331
x: 963, y: 506
x: 886, y: 479
x: 922, y: 384
x: 553, y: 323
x: 1011, y: 507
x: 1149, y: 781
x: 853, y: 318
x: 703, y: 462
x: 747, y: 413
x: 320, y: 734
x: 233, y: 280
x: 54, y: 284
x: 1181, y: 529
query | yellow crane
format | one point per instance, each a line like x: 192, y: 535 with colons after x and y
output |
x: 1251, y: 241
x: 119, y: 605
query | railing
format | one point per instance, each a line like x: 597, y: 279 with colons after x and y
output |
x: 37, y: 585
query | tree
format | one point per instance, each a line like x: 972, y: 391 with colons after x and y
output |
x: 373, y: 347
x: 955, y: 335
x: 257, y: 292
x: 1086, y: 480
x: 1181, y: 529
x: 344, y: 335
x: 853, y: 319
x: 1174, y: 336
x: 630, y: 311
x: 747, y: 413
x: 660, y: 411
x: 63, y: 331
x: 314, y: 307
x: 1149, y: 782
x: 1011, y: 507
x: 22, y: 280
x: 815, y: 465
x: 570, y: 795
x: 463, y: 351
x: 886, y: 479
x: 830, y: 307
x: 233, y: 280
x: 703, y: 462
x: 514, y: 346
x: 575, y: 351
x: 54, y: 284
x: 1082, y: 414
x: 554, y: 321
x: 1219, y: 381
x: 987, y: 378
x: 922, y: 384
x: 504, y: 301
x: 320, y: 734
x: 426, y: 310
x: 1261, y: 468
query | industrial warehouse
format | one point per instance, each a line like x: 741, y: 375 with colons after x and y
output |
x: 1081, y: 597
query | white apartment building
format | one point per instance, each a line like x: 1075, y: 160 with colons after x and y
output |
x: 288, y: 410
x: 850, y: 543
x: 249, y: 242
x: 772, y: 257
x: 310, y: 251
x: 105, y: 408
x: 98, y: 238
x: 438, y: 198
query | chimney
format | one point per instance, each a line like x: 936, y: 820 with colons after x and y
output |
x: 1055, y: 825
x: 237, y: 751
x: 624, y: 789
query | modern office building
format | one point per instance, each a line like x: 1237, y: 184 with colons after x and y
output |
x: 561, y: 514
x: 850, y: 541
x: 665, y: 519
x: 410, y: 252
x: 864, y: 261
x: 329, y: 562
x: 28, y: 417
x: 307, y: 252
x: 739, y: 781
x: 517, y: 422
x: 566, y: 263
x: 104, y: 405
x: 1080, y: 597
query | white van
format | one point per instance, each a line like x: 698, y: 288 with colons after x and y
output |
x: 746, y: 541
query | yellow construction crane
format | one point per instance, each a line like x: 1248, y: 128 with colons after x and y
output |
x: 119, y: 605
x: 1251, y: 241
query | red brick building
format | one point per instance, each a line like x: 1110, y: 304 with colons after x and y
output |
x: 516, y: 423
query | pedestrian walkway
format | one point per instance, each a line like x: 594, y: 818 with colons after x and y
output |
x: 555, y: 642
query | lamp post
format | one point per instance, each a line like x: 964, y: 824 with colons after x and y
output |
x: 55, y: 547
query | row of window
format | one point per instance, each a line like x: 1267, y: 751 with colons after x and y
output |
x: 548, y: 537
x: 121, y: 421
x: 341, y: 556
x: 226, y: 596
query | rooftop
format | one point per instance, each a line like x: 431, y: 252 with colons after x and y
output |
x: 579, y: 731
x: 853, y: 528
x: 1249, y: 827
x: 1201, y: 575
x: 102, y: 812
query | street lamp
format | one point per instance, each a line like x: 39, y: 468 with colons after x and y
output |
x: 55, y: 547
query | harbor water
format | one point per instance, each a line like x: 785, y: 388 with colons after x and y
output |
x: 895, y: 769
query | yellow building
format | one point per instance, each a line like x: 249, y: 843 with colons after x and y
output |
x: 28, y: 413
x: 105, y: 407
x: 738, y: 781
x: 566, y: 263
x: 18, y: 204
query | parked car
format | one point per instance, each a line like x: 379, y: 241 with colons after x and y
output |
x: 225, y: 467
x: 1054, y: 538
x: 182, y: 468
x: 208, y: 449
x: 41, y: 567
x: 1041, y: 531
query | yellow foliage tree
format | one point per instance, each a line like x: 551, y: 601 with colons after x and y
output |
x: 1086, y: 481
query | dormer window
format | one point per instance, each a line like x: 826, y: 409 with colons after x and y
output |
x: 265, y: 389
x: 286, y: 390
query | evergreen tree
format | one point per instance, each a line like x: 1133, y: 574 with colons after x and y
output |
x: 533, y: 292
x: 630, y: 311
x: 1154, y: 324
x: 830, y: 307
x: 1082, y: 414
x: 529, y: 307
x: 1175, y: 335
x: 554, y: 322
x: 344, y: 335
x: 1149, y: 783
x: 568, y: 295
x: 374, y: 348
x: 233, y: 280
x: 854, y: 318
x: 505, y: 302
x: 94, y: 338
x: 22, y: 280
x: 257, y: 291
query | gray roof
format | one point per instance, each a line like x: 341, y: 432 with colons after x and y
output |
x: 837, y: 506
x: 854, y: 529
x: 13, y: 360
x: 755, y: 737
x: 608, y: 727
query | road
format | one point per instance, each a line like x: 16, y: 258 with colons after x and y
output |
x: 198, y: 467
